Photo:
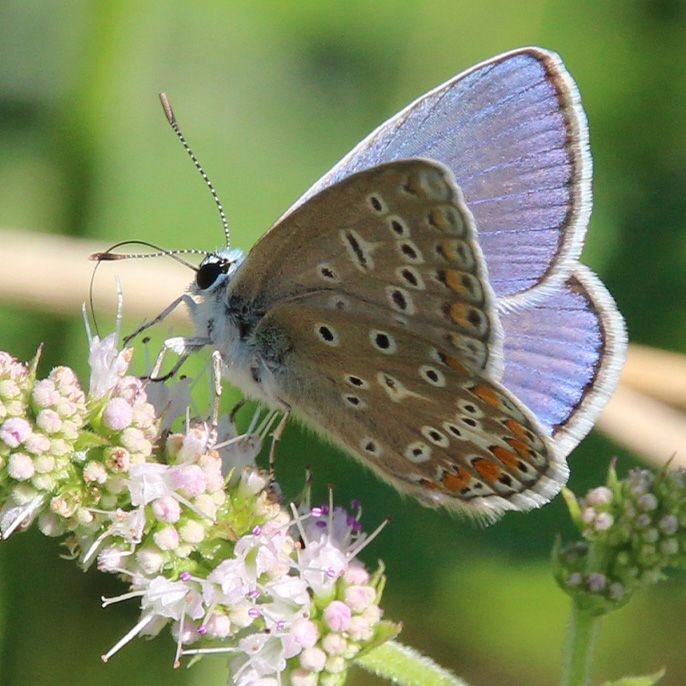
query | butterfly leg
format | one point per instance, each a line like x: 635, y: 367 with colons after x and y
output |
x: 236, y: 409
x: 185, y: 298
x: 182, y: 347
x: 276, y: 437
x: 217, y: 384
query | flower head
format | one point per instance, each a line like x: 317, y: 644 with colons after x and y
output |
x: 196, y: 528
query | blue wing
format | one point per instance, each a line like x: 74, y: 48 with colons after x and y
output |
x: 563, y: 357
x: 513, y: 132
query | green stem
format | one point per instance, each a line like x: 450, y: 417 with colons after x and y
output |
x: 405, y: 666
x: 578, y: 651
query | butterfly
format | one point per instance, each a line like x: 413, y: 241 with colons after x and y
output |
x: 423, y: 306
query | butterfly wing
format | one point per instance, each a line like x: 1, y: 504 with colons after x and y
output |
x: 563, y: 357
x: 514, y: 134
x: 433, y: 429
x: 397, y: 237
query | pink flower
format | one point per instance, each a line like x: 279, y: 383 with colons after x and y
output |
x: 14, y: 431
x: 37, y: 444
x: 49, y: 421
x: 188, y: 478
x: 359, y: 598
x: 44, y: 393
x: 117, y: 414
x: 356, y: 574
x: 167, y: 538
x: 167, y: 509
x: 305, y: 632
x: 20, y: 467
x: 337, y: 615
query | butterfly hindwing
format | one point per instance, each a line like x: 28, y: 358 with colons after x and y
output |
x: 563, y: 357
x: 406, y: 408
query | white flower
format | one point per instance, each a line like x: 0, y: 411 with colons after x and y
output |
x: 321, y: 563
x: 173, y: 599
x: 111, y: 559
x: 290, y: 589
x: 313, y: 659
x: 150, y: 559
x: 229, y: 583
x: 148, y: 482
x: 192, y: 532
x: 107, y: 364
x: 263, y: 654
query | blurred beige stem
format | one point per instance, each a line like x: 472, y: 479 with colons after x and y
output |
x: 52, y: 274
x: 658, y: 373
x: 646, y: 426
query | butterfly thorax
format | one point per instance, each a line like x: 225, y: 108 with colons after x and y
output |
x: 228, y: 319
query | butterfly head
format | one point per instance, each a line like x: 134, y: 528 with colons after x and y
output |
x: 216, y: 270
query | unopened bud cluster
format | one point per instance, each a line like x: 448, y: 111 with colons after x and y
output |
x: 205, y: 545
x: 633, y: 530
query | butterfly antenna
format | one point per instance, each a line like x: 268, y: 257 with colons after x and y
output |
x: 109, y: 256
x: 169, y: 112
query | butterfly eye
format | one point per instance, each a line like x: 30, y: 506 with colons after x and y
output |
x: 208, y: 273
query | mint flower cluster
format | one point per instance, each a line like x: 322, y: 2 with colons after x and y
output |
x: 202, y: 540
x: 633, y: 531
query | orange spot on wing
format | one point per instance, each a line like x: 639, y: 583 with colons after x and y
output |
x: 459, y: 313
x: 517, y: 429
x: 507, y: 457
x: 448, y: 250
x: 521, y: 448
x: 456, y: 481
x: 453, y: 279
x: 437, y: 219
x: 432, y: 485
x: 488, y: 395
x: 453, y: 362
x: 487, y: 470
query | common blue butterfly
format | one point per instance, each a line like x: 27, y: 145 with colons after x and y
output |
x: 423, y: 304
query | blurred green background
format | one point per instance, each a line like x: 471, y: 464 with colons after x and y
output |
x: 270, y: 95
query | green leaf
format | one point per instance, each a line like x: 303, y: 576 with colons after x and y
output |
x: 406, y: 666
x: 573, y: 506
x: 383, y: 631
x: 647, y: 680
x: 88, y: 439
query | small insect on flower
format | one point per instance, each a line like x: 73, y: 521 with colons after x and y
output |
x: 423, y: 259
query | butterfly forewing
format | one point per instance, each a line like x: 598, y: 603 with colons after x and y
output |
x: 513, y: 132
x: 408, y: 409
x: 397, y: 238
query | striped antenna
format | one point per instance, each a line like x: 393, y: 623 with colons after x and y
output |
x: 169, y: 112
x: 109, y: 256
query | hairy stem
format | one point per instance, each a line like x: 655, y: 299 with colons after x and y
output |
x: 578, y: 651
x: 405, y: 666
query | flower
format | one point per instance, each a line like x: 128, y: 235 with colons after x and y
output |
x: 191, y: 523
x: 632, y: 530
